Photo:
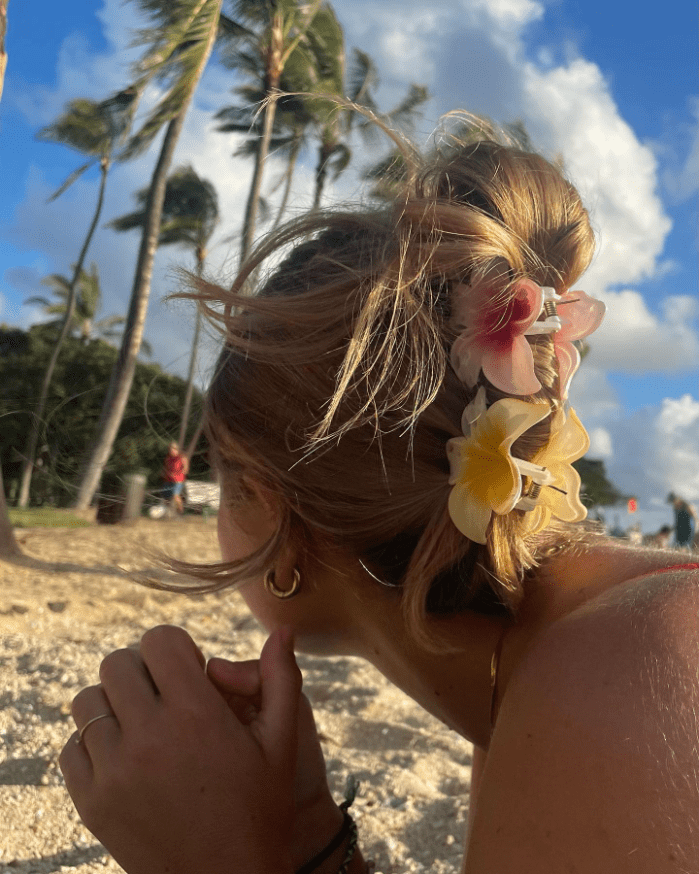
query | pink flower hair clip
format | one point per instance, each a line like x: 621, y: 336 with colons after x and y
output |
x: 493, y: 333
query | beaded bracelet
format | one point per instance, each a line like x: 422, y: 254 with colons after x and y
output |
x: 348, y: 827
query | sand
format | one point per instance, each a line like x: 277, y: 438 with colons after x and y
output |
x: 67, y: 604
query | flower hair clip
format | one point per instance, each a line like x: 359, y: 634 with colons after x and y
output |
x: 485, y: 477
x: 551, y: 321
x: 493, y: 333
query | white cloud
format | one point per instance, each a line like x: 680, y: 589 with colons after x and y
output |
x: 633, y: 339
x: 657, y: 451
x: 592, y: 396
x: 571, y: 112
x: 682, y: 179
x: 474, y: 55
x: 600, y: 443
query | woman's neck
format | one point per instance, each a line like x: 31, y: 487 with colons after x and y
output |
x: 455, y: 685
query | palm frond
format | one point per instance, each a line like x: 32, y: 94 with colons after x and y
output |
x: 189, y: 212
x: 108, y: 323
x: 59, y: 284
x: 175, y: 58
x: 93, y: 127
x: 405, y: 114
x: 240, y: 119
x: 519, y: 135
x: 127, y: 222
x: 339, y: 160
x: 250, y: 146
x: 388, y: 175
x: 363, y: 76
x: 69, y: 180
x: 228, y: 29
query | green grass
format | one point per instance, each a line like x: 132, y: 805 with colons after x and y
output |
x: 46, y: 517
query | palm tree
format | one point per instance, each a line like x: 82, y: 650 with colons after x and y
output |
x: 274, y: 32
x: 180, y: 40
x: 8, y: 544
x: 291, y: 124
x: 95, y: 129
x: 189, y: 217
x: 88, y: 297
x: 336, y: 117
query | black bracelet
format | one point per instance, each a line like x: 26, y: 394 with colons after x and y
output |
x: 337, y: 841
x: 348, y: 827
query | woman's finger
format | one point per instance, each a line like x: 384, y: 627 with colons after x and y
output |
x: 95, y: 720
x: 173, y: 660
x: 76, y: 766
x: 241, y: 678
x: 280, y: 694
x: 128, y: 685
x: 88, y: 703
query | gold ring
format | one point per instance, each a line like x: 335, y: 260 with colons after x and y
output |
x: 89, y: 723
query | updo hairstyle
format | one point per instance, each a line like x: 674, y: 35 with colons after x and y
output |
x: 334, y: 391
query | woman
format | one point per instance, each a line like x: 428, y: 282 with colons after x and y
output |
x: 391, y: 428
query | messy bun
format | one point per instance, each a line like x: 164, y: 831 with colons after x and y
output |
x: 335, y: 392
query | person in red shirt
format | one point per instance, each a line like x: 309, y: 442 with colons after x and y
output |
x: 175, y: 469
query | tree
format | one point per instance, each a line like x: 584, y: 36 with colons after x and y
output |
x: 334, y: 153
x: 88, y: 298
x: 597, y: 490
x: 189, y: 217
x: 151, y: 419
x: 273, y: 32
x: 95, y: 129
x: 181, y: 40
x: 291, y: 121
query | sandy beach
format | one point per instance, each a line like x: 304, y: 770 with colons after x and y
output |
x: 70, y: 601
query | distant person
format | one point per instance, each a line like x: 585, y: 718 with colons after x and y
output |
x: 685, y: 521
x: 175, y: 468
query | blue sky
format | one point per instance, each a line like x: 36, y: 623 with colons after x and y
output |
x: 608, y: 88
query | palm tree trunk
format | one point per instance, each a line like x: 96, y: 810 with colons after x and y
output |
x: 256, y: 185
x: 37, y: 422
x: 192, y: 370
x: 125, y: 367
x: 289, y: 175
x: 8, y: 544
x: 321, y: 175
x: 123, y: 372
x: 192, y: 445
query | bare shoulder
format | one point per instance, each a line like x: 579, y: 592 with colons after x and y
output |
x: 594, y: 762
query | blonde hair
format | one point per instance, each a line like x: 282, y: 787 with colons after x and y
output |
x: 334, y: 392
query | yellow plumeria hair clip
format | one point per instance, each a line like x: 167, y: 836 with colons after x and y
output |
x: 486, y: 478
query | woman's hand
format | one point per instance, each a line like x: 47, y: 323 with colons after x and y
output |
x: 178, y: 779
x: 317, y: 818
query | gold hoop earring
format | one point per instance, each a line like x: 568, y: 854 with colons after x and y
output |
x: 281, y: 593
